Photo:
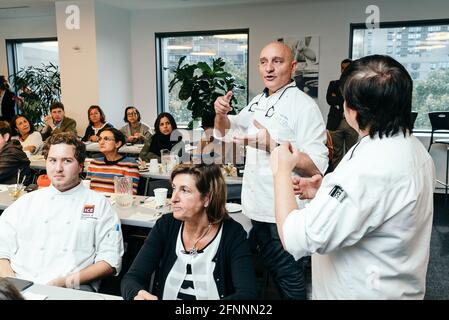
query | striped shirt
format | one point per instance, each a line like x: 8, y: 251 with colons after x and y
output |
x: 191, y: 277
x: 101, y: 172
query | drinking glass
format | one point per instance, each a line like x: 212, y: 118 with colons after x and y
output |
x: 165, y: 159
x: 123, y: 190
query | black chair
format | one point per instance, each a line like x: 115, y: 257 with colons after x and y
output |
x: 440, y: 123
x: 414, y: 115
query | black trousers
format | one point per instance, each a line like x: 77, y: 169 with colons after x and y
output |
x: 287, y: 273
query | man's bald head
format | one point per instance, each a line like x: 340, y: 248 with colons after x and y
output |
x: 282, y: 47
x: 276, y: 65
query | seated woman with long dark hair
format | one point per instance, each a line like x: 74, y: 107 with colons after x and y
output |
x: 164, y: 137
x: 30, y: 139
x: 198, y: 252
x: 97, y: 121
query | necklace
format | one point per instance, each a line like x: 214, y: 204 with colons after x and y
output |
x: 194, y: 249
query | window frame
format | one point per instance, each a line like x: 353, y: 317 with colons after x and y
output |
x: 11, y: 52
x: 158, y: 36
x: 397, y: 24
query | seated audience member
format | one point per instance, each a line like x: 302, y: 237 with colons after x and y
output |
x: 369, y: 222
x: 197, y: 252
x: 97, y: 121
x: 134, y: 131
x: 164, y: 137
x: 30, y: 139
x: 102, y: 171
x: 64, y: 235
x: 8, y: 291
x: 57, y: 122
x: 12, y: 158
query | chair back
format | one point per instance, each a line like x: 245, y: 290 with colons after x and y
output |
x: 439, y: 121
x: 414, y: 115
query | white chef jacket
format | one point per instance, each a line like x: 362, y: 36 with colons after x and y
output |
x: 289, y: 115
x: 370, y: 222
x: 48, y: 234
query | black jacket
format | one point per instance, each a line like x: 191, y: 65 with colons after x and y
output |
x: 12, y: 158
x: 336, y: 105
x: 234, y: 271
x: 8, y: 106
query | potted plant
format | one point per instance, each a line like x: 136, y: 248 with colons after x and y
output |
x: 201, y: 84
x: 37, y: 88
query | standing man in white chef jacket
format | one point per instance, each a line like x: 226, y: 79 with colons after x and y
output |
x: 281, y: 112
x: 64, y: 235
x: 369, y: 223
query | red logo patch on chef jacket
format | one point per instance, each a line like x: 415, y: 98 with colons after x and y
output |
x: 88, y: 210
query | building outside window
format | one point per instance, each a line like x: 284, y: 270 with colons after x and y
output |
x: 423, y: 50
x: 231, y: 46
x: 24, y: 53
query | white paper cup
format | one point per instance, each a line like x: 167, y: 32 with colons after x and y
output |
x: 160, y: 196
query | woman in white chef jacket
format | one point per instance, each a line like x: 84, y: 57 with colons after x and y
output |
x: 369, y: 222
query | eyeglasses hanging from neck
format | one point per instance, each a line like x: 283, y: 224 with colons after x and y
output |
x: 270, y: 111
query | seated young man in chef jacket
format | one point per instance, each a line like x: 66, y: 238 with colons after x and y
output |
x: 65, y: 235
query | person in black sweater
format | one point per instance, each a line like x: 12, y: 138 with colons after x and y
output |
x: 12, y: 158
x: 7, y: 100
x: 97, y: 121
x: 343, y: 136
x: 198, y: 252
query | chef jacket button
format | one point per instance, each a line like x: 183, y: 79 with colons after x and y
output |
x: 42, y: 248
x: 68, y: 222
x: 65, y: 249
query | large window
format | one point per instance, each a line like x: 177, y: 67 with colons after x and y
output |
x: 31, y: 52
x: 422, y: 47
x: 231, y: 46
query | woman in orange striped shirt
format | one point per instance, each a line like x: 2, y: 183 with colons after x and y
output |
x: 102, y: 171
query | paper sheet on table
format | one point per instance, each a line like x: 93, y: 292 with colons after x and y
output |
x: 34, y: 296
x: 144, y: 216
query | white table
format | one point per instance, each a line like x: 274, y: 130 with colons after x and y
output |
x: 5, y: 198
x: 57, y: 293
x: 165, y: 176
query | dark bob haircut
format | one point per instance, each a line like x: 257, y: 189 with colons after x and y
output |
x: 118, y: 135
x: 126, y: 111
x: 380, y: 89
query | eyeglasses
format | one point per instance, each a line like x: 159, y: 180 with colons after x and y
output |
x: 270, y: 110
x: 106, y: 139
x: 132, y: 114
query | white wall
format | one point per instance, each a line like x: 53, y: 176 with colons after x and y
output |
x: 78, y: 61
x: 113, y: 33
x: 21, y: 28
